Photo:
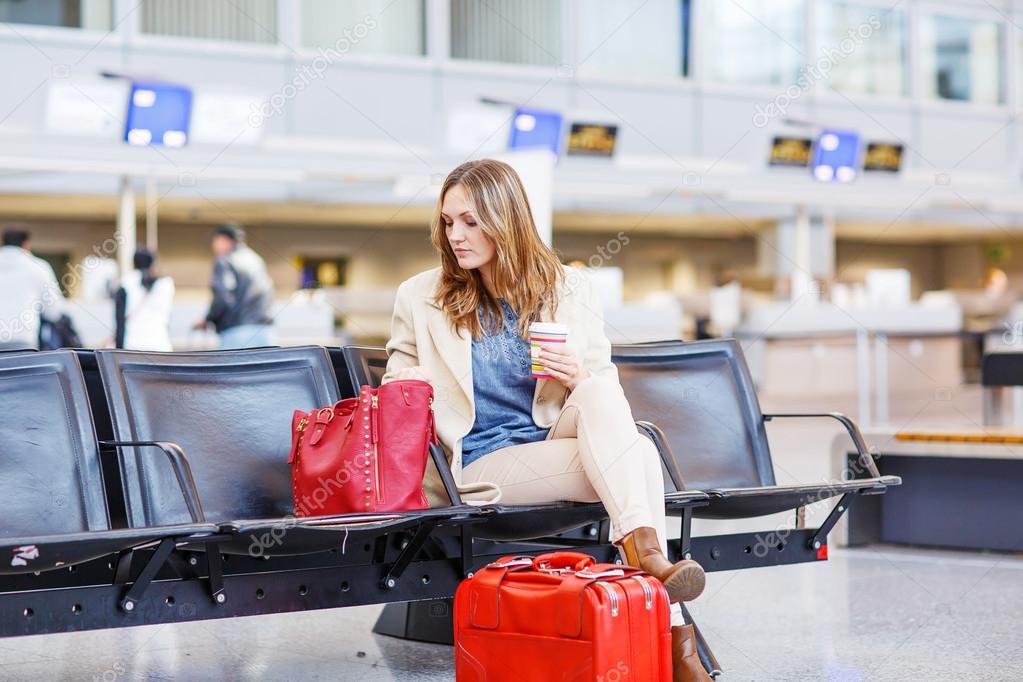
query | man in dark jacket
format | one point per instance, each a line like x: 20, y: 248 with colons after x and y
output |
x: 242, y: 293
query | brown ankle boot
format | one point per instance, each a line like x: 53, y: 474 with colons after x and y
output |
x: 685, y: 662
x: 684, y: 580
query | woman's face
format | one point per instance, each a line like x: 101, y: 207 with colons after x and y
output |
x: 472, y: 247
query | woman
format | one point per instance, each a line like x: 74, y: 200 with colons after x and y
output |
x: 464, y: 327
x: 143, y: 307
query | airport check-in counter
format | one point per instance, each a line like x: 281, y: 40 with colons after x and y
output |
x: 961, y: 488
x: 812, y: 350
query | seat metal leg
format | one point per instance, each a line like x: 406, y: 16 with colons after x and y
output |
x: 465, y: 544
x: 152, y: 567
x: 408, y: 552
x: 184, y: 569
x: 122, y: 567
x: 419, y: 621
x: 215, y: 564
x: 686, y: 534
x: 820, y: 537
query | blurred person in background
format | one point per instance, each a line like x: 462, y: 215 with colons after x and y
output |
x: 31, y: 293
x: 725, y: 304
x: 143, y: 306
x: 996, y: 283
x: 242, y: 292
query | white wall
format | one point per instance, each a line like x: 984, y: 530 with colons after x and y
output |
x: 400, y: 104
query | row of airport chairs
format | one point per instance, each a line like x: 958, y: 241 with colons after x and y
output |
x: 139, y: 482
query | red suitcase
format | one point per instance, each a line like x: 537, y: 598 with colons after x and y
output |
x: 561, y: 618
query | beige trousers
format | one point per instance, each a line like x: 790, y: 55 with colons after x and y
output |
x: 593, y: 453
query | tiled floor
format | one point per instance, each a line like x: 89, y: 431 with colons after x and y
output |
x: 873, y: 614
x: 868, y: 614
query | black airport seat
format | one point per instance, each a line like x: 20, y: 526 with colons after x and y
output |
x: 230, y: 411
x: 505, y: 522
x: 53, y: 507
x: 700, y: 398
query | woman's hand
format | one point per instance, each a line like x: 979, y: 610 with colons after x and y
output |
x: 417, y: 372
x: 563, y: 366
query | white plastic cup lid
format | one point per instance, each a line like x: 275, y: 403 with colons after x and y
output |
x: 548, y: 328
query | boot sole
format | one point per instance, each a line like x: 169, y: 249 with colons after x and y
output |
x: 686, y: 583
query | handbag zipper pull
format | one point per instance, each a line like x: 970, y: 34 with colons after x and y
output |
x: 374, y: 425
x: 300, y: 430
x: 374, y: 430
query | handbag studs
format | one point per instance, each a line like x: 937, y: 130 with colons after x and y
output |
x: 366, y: 436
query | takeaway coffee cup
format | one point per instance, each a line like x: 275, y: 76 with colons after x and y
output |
x: 544, y: 334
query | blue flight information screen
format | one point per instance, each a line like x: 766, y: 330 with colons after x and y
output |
x: 158, y: 114
x: 536, y: 128
x: 836, y: 156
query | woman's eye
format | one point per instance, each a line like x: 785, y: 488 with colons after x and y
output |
x: 470, y: 224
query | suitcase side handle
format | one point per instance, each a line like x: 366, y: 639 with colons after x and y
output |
x: 483, y: 590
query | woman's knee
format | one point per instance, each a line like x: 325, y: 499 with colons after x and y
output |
x: 598, y: 382
x: 651, y: 461
x: 646, y: 452
x: 599, y: 392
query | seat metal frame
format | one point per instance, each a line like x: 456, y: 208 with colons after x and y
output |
x: 636, y: 362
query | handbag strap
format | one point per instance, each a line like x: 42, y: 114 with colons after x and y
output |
x: 321, y: 419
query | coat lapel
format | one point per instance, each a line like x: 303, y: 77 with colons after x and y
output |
x: 455, y: 351
x: 550, y: 389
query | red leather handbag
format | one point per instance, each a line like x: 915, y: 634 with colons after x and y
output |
x: 365, y: 454
x: 561, y: 618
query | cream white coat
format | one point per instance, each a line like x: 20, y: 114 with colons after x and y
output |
x: 422, y: 335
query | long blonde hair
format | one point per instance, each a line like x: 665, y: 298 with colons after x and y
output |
x: 525, y: 272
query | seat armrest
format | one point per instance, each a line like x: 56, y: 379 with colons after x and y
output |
x: 654, y: 433
x: 182, y: 470
x: 444, y: 469
x: 854, y: 433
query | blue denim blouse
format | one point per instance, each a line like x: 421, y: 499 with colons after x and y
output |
x: 503, y: 392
